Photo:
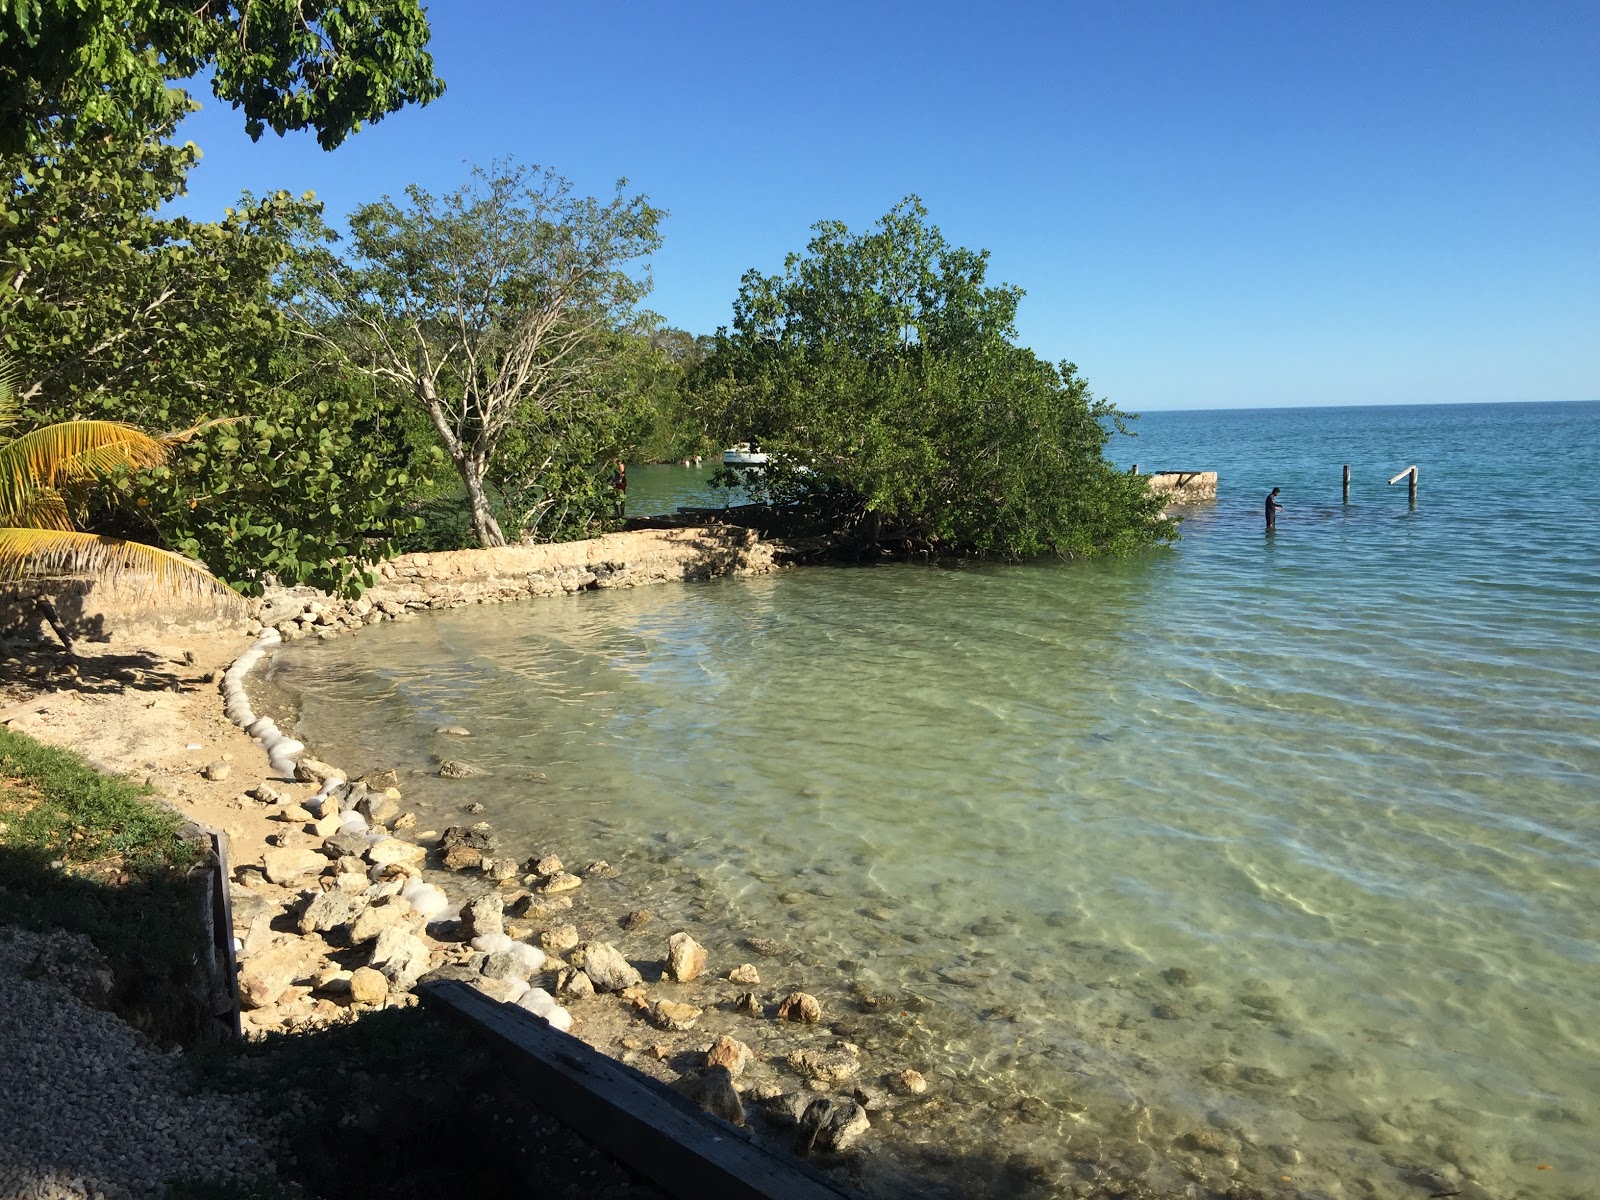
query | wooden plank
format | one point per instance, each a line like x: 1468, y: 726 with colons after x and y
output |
x: 1411, y: 471
x: 222, y: 915
x: 665, y: 1137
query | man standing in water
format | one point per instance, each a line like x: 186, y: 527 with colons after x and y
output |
x: 1273, y: 509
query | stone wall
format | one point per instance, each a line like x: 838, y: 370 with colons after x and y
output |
x: 454, y: 578
x: 95, y: 610
x: 1184, y: 487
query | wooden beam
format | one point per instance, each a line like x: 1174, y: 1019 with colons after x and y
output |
x: 665, y: 1137
x: 1408, y: 471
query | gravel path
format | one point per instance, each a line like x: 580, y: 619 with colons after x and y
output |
x: 88, y: 1107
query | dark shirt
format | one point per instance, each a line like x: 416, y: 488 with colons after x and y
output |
x: 1272, y: 503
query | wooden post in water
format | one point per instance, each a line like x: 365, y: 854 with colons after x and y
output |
x: 1347, y: 483
x: 1412, y: 486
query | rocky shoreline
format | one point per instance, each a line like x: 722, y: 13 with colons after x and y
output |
x: 350, y: 907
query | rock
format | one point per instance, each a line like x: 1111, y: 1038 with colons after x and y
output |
x: 506, y: 964
x: 537, y: 908
x: 549, y: 865
x: 314, y: 770
x: 576, y: 984
x: 379, y: 781
x: 404, y: 821
x: 908, y: 1083
x: 828, y: 1066
x: 747, y: 1004
x: 402, y: 957
x: 326, y: 827
x: 558, y: 883
x: 800, y: 1006
x: 264, y: 976
x: 346, y: 845
x: 832, y: 1126
x: 764, y: 946
x: 451, y: 769
x: 745, y: 974
x: 289, y: 864
x: 1169, y: 1012
x: 787, y: 1109
x: 453, y: 731
x: 267, y: 794
x: 507, y: 989
x: 329, y: 910
x: 475, y: 807
x: 713, y: 1090
x: 464, y: 848
x: 600, y: 869
x: 559, y: 939
x: 391, y: 851
x: 1179, y: 976
x: 378, y: 809
x: 484, y: 915
x: 607, y: 969
x: 1209, y: 1141
x: 351, y: 882
x: 670, y: 1015
x: 729, y: 1053
x: 368, y: 986
x: 333, y: 980
x: 217, y: 771
x: 462, y: 858
x: 637, y: 919
x: 686, y: 958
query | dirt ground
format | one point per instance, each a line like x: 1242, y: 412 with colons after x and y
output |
x: 147, y: 709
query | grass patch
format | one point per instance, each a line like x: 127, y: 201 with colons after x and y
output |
x: 93, y: 854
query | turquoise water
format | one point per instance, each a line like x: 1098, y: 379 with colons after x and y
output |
x: 1291, y: 837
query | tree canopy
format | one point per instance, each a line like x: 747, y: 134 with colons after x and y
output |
x: 492, y: 310
x: 71, y: 69
x: 882, y: 373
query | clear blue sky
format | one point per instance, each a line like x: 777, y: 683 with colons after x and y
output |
x: 1209, y: 204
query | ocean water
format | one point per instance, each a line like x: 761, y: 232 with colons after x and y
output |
x: 1267, y: 859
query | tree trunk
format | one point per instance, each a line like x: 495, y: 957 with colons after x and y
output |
x: 469, y: 465
x: 483, y: 522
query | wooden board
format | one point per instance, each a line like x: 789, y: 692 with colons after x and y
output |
x: 663, y: 1136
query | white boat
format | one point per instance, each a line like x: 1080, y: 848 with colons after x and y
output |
x: 744, y: 454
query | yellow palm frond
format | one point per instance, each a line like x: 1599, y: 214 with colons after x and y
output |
x: 42, y: 508
x: 26, y: 553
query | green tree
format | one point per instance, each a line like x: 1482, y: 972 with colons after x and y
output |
x: 882, y: 372
x: 73, y: 70
x: 491, y: 309
x: 113, y: 312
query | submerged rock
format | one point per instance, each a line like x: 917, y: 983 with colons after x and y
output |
x: 800, y: 1006
x: 729, y: 1053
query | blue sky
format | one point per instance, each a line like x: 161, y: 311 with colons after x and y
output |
x: 1209, y: 204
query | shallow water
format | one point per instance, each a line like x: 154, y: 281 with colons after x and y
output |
x: 1291, y: 837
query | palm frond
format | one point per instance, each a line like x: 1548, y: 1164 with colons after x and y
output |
x: 30, y: 553
x: 41, y: 508
x: 9, y: 406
